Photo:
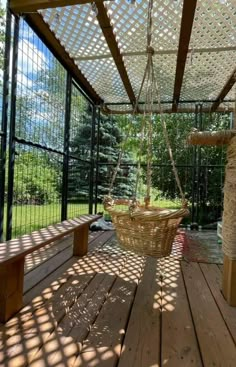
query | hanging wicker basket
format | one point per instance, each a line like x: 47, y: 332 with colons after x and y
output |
x: 144, y: 231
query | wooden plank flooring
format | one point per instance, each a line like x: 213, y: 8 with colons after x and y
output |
x: 179, y: 342
x: 115, y: 309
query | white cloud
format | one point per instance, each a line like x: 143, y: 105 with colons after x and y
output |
x: 24, y: 83
x: 30, y: 58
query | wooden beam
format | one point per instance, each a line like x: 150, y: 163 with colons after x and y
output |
x: 227, y: 87
x: 28, y: 6
x: 47, y: 36
x: 109, y: 35
x: 189, y: 7
x: 105, y: 109
x: 156, y: 53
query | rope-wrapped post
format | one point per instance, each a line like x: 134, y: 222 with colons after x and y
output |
x: 229, y: 223
x: 211, y: 137
x: 229, y: 226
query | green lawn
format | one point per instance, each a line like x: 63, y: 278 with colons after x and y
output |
x: 27, y: 218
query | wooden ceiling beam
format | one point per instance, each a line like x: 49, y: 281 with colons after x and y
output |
x: 29, y: 6
x: 189, y: 7
x: 105, y: 109
x: 156, y: 53
x: 106, y: 27
x: 42, y: 29
x: 227, y: 87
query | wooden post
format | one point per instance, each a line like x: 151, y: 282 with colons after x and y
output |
x: 229, y: 283
x: 213, y: 139
x: 11, y: 289
x: 80, y: 247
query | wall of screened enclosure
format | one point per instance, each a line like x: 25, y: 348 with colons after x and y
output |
x: 49, y: 119
x: 58, y: 153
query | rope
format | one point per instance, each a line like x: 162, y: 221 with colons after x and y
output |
x: 121, y: 152
x: 151, y: 87
x: 149, y: 23
x: 140, y: 155
x: 149, y: 101
x: 147, y: 70
x: 175, y: 171
x: 149, y: 132
x: 184, y: 202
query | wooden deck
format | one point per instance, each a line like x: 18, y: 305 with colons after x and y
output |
x: 112, y: 308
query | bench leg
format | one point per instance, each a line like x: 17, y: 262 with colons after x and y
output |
x: 11, y: 289
x: 81, y: 241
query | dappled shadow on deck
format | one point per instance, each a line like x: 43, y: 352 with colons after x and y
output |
x: 110, y: 308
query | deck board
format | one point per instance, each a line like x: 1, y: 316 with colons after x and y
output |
x: 44, y: 293
x: 50, y: 271
x: 215, y: 341
x: 141, y: 345
x: 48, y: 354
x: 213, y: 277
x: 179, y: 342
x: 37, y: 274
x: 81, y: 309
x: 112, y: 308
x: 38, y: 257
x: 106, y: 335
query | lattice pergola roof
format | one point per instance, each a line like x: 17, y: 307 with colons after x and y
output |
x: 194, y: 42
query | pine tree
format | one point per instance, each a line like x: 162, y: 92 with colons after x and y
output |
x: 110, y: 138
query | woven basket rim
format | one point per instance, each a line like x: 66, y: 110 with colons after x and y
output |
x: 142, y: 213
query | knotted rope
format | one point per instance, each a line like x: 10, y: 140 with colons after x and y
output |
x: 146, y: 125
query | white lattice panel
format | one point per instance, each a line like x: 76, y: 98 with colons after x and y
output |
x: 77, y: 29
x: 214, y: 24
x: 165, y: 70
x: 164, y: 107
x: 120, y: 108
x: 105, y: 79
x: 129, y: 23
x: 206, y: 74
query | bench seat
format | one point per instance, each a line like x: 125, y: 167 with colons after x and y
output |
x: 13, y: 252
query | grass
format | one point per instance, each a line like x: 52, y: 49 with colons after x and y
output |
x: 27, y: 218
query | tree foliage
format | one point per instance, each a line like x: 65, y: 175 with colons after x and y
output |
x: 110, y: 144
x: 36, y: 179
x: 209, y: 160
x: 110, y: 139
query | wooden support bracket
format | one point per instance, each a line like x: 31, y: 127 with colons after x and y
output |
x: 11, y: 288
x: 81, y: 234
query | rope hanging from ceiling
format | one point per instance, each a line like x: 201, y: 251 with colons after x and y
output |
x: 146, y: 229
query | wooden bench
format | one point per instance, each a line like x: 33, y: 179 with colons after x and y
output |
x: 13, y: 252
